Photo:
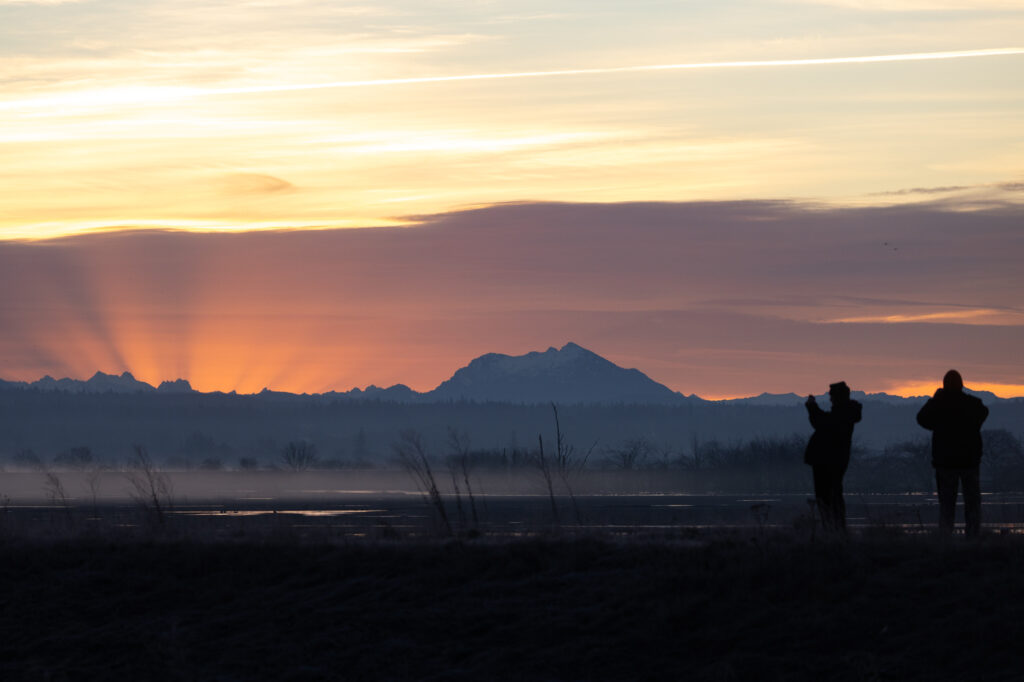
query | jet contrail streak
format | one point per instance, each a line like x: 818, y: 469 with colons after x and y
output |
x: 907, y: 57
x: 158, y: 95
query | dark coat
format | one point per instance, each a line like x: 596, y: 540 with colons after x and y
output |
x: 833, y: 434
x: 955, y: 420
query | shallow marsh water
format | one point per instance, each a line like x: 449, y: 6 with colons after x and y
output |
x: 335, y: 506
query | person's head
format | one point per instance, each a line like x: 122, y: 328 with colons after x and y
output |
x: 839, y: 392
x: 953, y: 382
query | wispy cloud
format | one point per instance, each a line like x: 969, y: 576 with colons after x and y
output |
x: 916, y: 5
x: 449, y: 142
x: 979, y: 316
x: 925, y: 190
x: 157, y: 96
x: 120, y: 113
x: 252, y: 183
x: 39, y: 2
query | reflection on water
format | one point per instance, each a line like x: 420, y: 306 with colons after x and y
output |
x: 618, y: 514
x: 348, y: 504
x: 264, y: 512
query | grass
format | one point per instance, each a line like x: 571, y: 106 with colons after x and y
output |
x: 719, y: 606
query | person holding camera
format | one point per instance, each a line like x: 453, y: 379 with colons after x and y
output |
x: 828, y: 452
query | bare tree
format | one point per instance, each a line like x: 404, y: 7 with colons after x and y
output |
x: 299, y: 455
x: 414, y: 459
x: 151, y: 488
x: 544, y: 465
x: 79, y: 458
x: 55, y: 491
x: 92, y: 480
x: 460, y: 460
x: 457, y: 494
x: 632, y: 454
x: 28, y: 459
x: 568, y: 462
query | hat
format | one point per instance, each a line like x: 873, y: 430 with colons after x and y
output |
x: 839, y: 388
x: 953, y: 381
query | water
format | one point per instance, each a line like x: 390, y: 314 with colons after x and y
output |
x: 384, y: 504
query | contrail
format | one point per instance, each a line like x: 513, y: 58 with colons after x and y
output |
x: 158, y: 95
x: 906, y: 57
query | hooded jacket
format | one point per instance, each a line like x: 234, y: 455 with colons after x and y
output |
x: 833, y: 434
x: 955, y: 420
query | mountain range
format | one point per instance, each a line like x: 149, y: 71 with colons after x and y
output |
x: 567, y: 375
x: 101, y: 383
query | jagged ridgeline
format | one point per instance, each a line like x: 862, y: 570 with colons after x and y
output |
x: 501, y: 402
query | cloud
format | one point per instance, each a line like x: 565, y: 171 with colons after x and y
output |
x: 253, y: 183
x: 926, y: 190
x: 917, y: 5
x: 718, y: 298
x: 980, y: 316
x: 154, y: 96
x: 997, y: 187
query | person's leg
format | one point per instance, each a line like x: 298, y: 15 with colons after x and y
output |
x: 823, y: 496
x: 946, y: 485
x: 840, y: 503
x: 972, y: 501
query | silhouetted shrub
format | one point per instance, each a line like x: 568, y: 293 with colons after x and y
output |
x: 299, y: 455
x: 412, y: 455
x: 27, y: 459
x: 899, y: 468
x: 633, y: 453
x: 198, y: 444
x: 1002, y: 464
x: 151, y: 488
x: 248, y: 464
x: 76, y: 458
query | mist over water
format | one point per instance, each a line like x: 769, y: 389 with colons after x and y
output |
x: 375, y: 503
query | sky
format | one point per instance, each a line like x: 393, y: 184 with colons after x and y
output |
x: 733, y: 197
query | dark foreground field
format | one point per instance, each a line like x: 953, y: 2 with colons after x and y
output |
x: 724, y: 607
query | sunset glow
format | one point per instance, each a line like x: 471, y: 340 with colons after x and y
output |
x: 927, y: 388
x: 731, y: 197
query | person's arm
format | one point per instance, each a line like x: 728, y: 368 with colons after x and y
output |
x: 815, y: 414
x: 927, y: 417
x: 982, y: 414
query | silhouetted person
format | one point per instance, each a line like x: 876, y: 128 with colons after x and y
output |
x: 828, y: 452
x: 955, y: 420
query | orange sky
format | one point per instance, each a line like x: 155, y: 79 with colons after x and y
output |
x: 497, y: 157
x: 719, y: 299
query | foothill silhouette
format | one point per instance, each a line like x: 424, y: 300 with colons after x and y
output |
x: 52, y: 422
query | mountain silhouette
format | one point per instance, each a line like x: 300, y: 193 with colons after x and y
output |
x: 176, y: 386
x: 100, y: 382
x: 571, y: 374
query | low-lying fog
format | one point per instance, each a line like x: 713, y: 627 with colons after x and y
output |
x: 117, y: 487
x: 387, y: 503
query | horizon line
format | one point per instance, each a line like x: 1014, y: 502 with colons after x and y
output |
x: 981, y: 388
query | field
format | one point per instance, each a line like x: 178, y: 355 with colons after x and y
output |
x: 721, y: 608
x: 363, y: 585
